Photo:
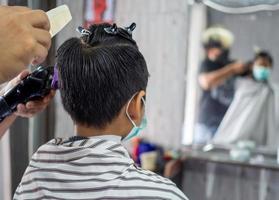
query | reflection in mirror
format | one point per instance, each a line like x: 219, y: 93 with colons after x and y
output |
x: 232, y: 103
x: 237, y: 79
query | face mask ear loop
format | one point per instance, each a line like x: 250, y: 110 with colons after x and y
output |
x: 134, y: 124
x: 144, y: 103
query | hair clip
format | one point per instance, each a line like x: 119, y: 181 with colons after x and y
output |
x: 122, y: 32
x: 112, y: 29
x: 131, y: 28
x: 83, y: 31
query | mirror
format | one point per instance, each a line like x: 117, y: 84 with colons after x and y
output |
x: 230, y: 106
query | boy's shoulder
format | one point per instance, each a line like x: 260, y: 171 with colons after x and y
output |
x: 159, y: 183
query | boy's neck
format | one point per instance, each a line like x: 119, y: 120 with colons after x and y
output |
x: 91, y: 131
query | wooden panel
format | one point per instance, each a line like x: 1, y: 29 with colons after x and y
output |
x: 19, y: 150
x: 5, y: 167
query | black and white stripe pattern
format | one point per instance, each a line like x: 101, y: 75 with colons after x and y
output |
x: 90, y: 169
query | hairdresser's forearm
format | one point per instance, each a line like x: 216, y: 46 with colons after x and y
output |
x: 6, y: 123
x: 216, y: 78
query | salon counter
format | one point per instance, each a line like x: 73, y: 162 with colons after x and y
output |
x: 209, y: 173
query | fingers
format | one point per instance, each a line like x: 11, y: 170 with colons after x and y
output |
x: 34, y: 107
x: 51, y: 94
x: 30, y: 109
x: 42, y: 37
x: 49, y: 97
x: 45, y: 100
x: 41, y: 40
x: 40, y: 103
x: 22, y: 111
x: 38, y: 19
x: 40, y: 53
x: 23, y: 74
x: 19, y: 77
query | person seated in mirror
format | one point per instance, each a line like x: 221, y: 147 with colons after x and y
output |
x: 263, y: 64
x: 253, y: 114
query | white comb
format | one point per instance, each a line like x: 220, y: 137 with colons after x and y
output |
x: 59, y: 17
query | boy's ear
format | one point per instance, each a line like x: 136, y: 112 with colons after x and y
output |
x: 136, y: 107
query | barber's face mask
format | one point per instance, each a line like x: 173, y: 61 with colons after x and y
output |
x: 261, y: 73
x: 136, y: 129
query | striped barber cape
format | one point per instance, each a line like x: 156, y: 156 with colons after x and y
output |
x: 94, y: 168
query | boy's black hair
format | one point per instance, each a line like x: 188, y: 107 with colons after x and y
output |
x: 98, y: 74
x: 265, y: 55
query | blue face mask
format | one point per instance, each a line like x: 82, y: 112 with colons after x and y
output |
x: 136, y: 129
x: 261, y: 73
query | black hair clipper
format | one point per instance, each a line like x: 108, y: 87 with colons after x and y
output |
x: 35, y: 86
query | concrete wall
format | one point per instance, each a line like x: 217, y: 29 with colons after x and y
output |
x: 161, y: 34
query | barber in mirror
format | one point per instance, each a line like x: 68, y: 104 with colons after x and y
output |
x: 24, y: 40
x: 216, y: 79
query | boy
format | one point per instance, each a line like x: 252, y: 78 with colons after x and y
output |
x: 103, y: 79
x: 253, y: 114
x: 262, y: 66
